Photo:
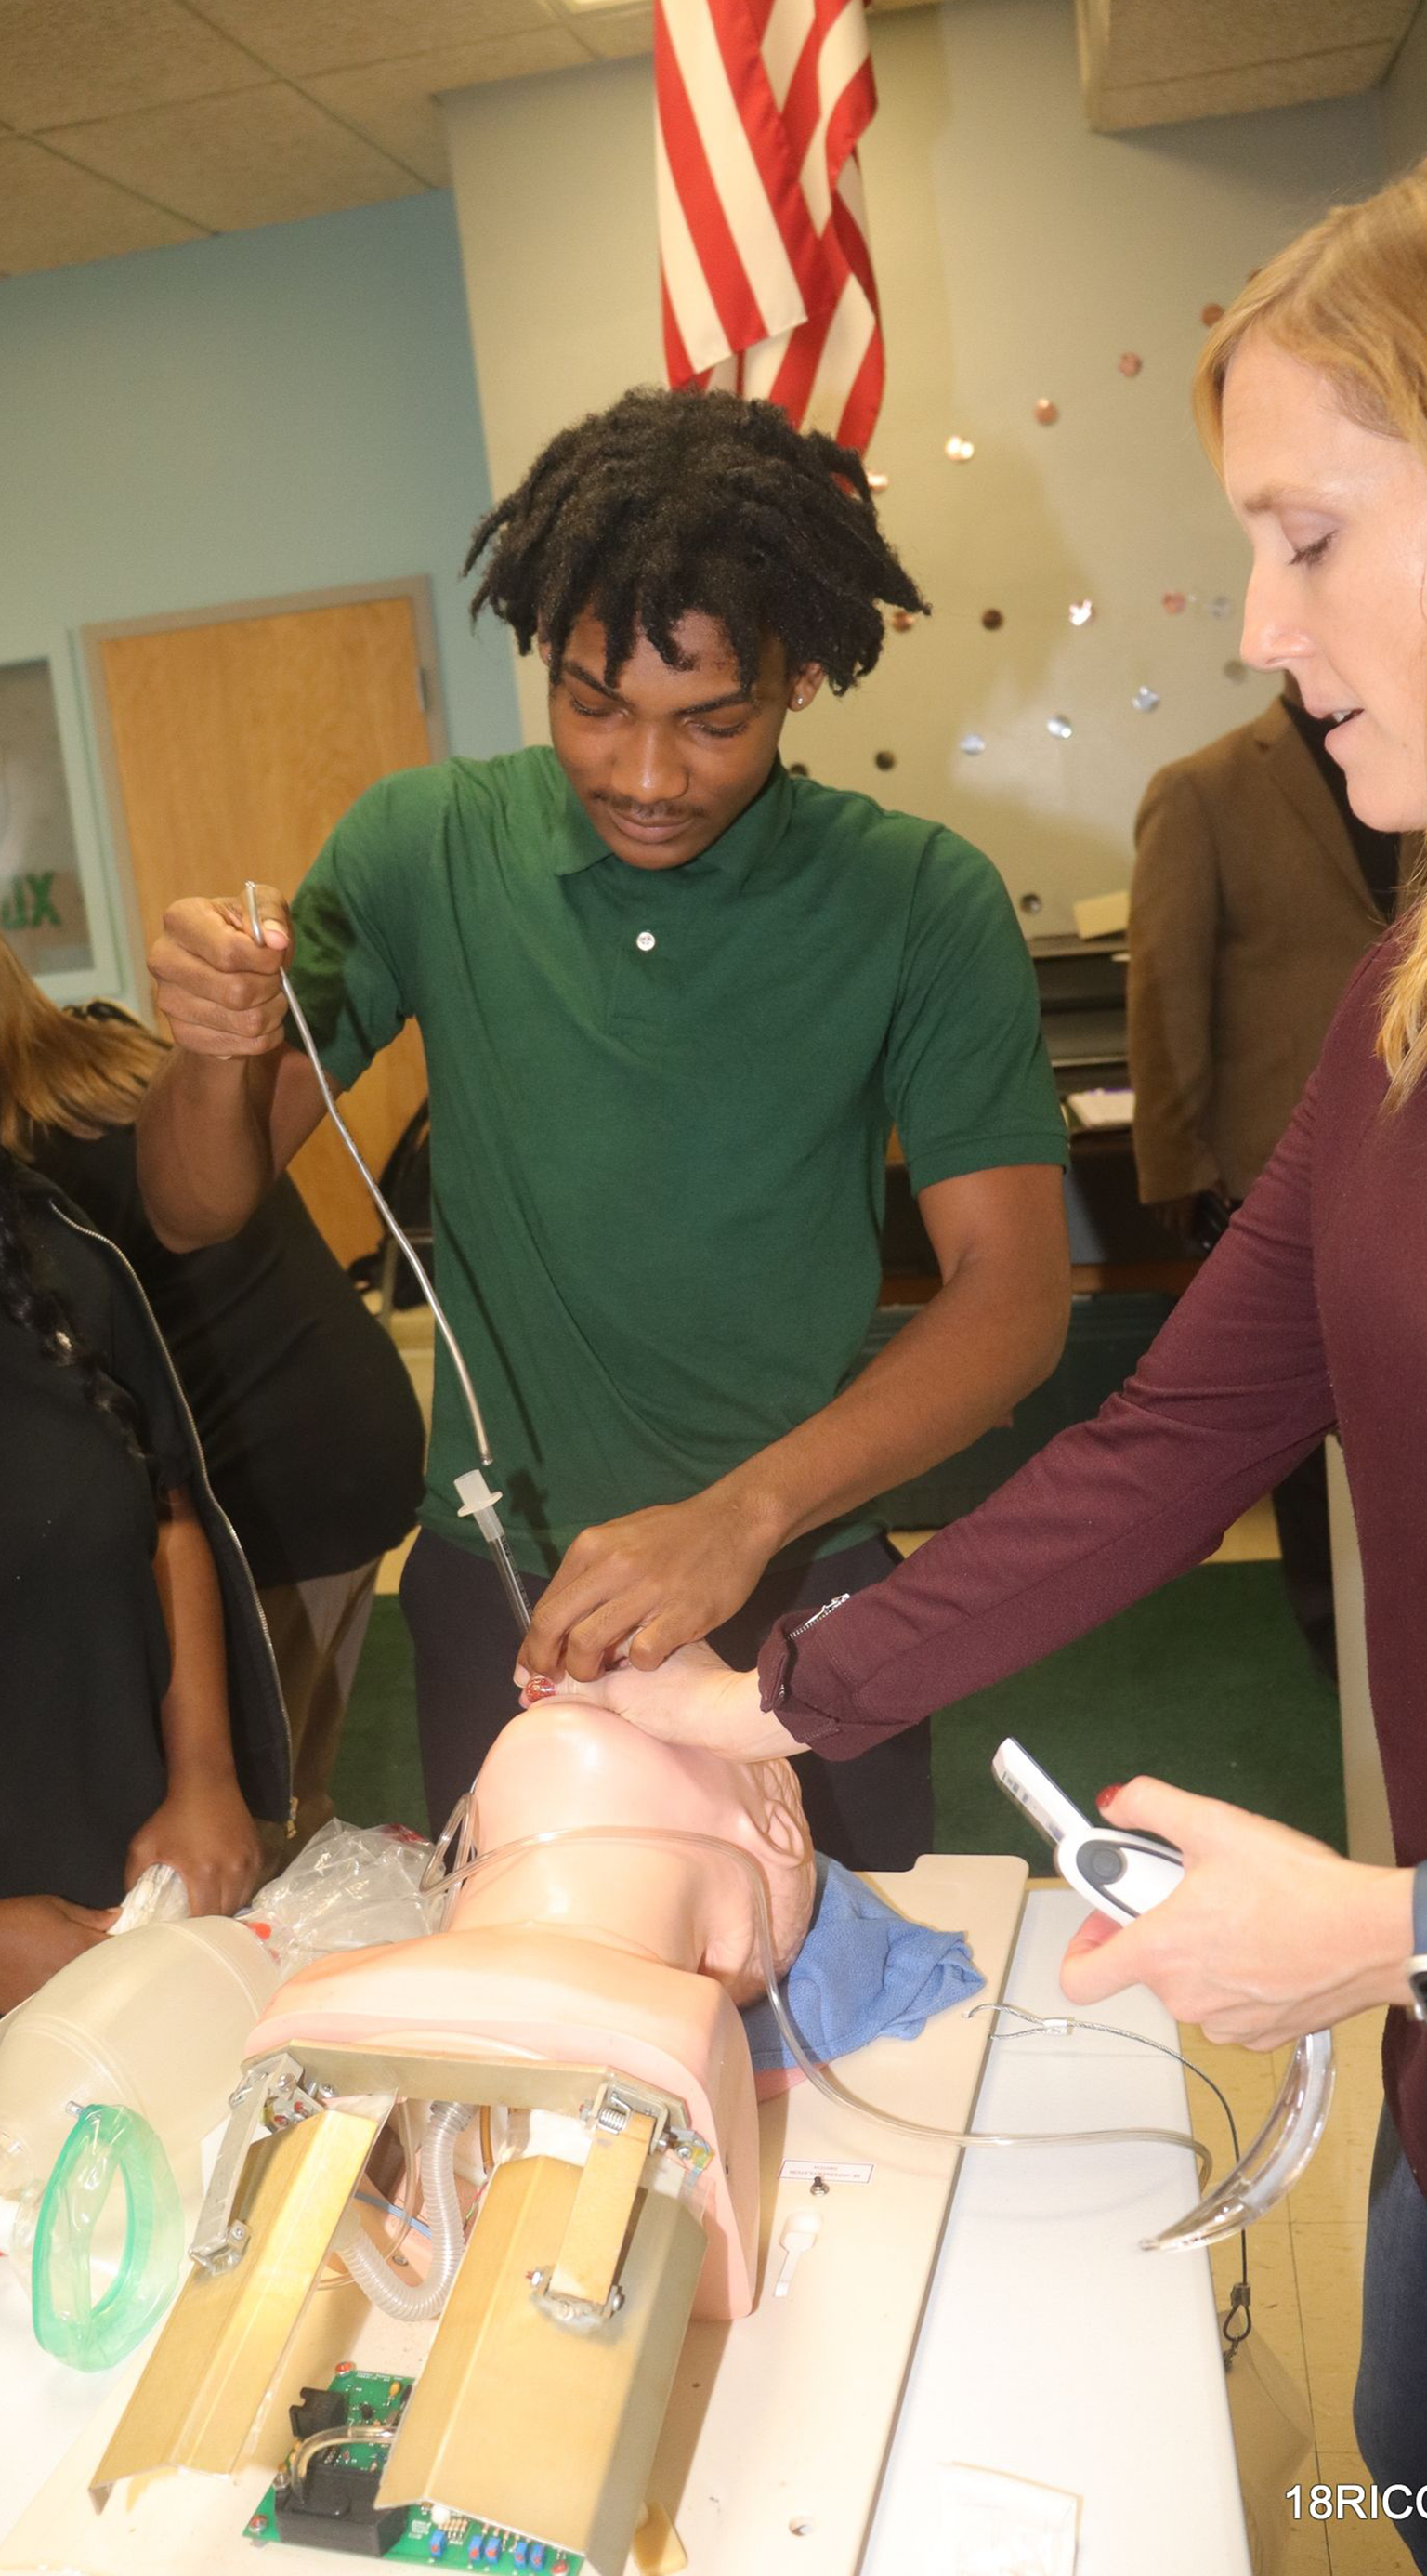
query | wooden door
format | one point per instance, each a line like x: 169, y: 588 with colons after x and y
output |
x: 237, y: 743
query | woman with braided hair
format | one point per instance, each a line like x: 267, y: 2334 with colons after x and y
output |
x: 673, y: 997
x: 310, y: 1431
x: 140, y: 1718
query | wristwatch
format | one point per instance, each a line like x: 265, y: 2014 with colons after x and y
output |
x: 1415, y: 1970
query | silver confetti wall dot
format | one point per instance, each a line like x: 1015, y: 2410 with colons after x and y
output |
x: 1220, y: 605
x: 1031, y: 903
x: 1236, y: 670
x: 961, y: 450
x: 1081, y: 611
x: 1060, y: 726
x: 1145, y: 701
x: 971, y: 744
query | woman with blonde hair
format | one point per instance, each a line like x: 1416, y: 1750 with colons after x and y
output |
x: 310, y: 1431
x: 77, y: 1071
x: 1312, y: 399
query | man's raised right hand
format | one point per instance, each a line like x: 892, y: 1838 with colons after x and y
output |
x: 221, y: 992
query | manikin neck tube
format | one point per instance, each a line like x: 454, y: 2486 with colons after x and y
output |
x: 659, y: 1838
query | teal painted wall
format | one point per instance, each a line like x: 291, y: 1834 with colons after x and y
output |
x: 285, y: 410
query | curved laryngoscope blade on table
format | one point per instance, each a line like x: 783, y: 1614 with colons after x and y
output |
x: 1125, y: 1874
x: 1272, y: 2165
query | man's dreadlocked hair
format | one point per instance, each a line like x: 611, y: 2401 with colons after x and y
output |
x: 669, y: 503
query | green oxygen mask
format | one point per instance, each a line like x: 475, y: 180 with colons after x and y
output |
x: 101, y: 2277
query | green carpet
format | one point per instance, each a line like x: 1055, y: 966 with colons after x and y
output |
x: 377, y: 1780
x: 1208, y: 1684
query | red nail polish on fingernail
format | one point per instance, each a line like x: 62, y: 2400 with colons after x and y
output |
x: 1104, y: 1796
x: 538, y: 1687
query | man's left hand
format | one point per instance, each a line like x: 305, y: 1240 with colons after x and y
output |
x: 645, y: 1584
x: 204, y: 1831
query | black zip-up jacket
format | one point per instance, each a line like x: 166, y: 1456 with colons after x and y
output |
x: 261, y: 1742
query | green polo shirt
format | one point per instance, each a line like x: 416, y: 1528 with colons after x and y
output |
x: 660, y: 1107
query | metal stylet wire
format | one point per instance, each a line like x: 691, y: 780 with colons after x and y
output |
x: 491, y: 1530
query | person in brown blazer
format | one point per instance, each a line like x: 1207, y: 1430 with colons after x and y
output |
x: 1251, y: 904
x: 1256, y: 890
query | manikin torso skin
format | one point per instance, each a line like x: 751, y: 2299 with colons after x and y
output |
x: 628, y: 1957
x: 566, y: 1764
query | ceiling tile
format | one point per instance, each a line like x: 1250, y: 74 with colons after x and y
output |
x: 335, y: 35
x: 1155, y: 40
x: 615, y: 33
x: 267, y: 156
x: 394, y: 103
x: 52, y: 215
x: 98, y: 57
x: 1116, y: 109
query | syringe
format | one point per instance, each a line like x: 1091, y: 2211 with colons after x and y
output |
x: 478, y: 1503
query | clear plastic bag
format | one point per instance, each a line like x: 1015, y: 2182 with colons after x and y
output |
x: 159, y: 1896
x: 352, y: 1886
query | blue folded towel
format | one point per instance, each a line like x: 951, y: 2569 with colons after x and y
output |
x: 862, y: 1974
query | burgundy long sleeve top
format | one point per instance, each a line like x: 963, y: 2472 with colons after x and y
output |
x: 1311, y: 1312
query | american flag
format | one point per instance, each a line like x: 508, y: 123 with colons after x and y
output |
x: 765, y: 268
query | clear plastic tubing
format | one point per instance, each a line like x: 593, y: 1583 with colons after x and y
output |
x: 470, y: 1866
x: 413, y: 2301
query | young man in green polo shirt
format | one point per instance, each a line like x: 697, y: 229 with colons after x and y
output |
x: 672, y: 999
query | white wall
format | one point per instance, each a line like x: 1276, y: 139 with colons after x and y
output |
x: 1404, y: 100
x: 1018, y: 254
x: 554, y: 187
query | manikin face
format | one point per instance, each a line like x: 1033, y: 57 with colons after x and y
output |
x: 663, y: 761
x: 1337, y: 517
x: 567, y: 1764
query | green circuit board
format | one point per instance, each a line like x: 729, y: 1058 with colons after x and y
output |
x: 371, y: 2404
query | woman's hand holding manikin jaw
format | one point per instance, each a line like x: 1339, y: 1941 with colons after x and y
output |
x: 694, y: 1699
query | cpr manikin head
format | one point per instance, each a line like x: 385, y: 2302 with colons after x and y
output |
x: 564, y: 1764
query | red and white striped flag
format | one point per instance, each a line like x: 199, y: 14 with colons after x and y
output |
x: 766, y: 273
